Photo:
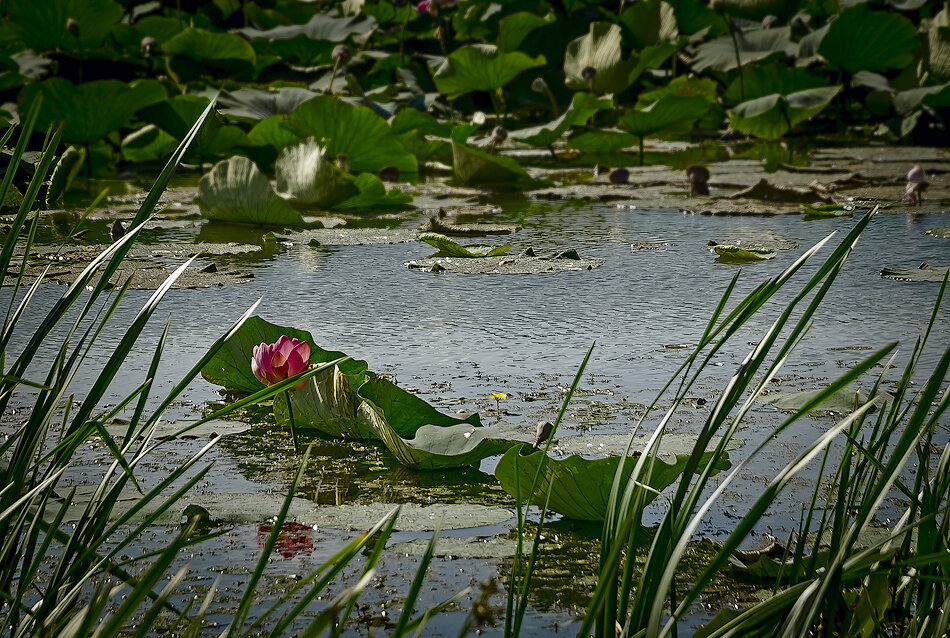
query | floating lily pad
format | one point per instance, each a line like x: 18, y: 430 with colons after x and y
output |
x: 231, y: 366
x: 826, y: 210
x: 924, y: 272
x: 306, y: 175
x: 450, y: 248
x: 843, y: 402
x: 940, y: 232
x: 671, y: 445
x: 580, y: 488
x: 523, y: 264
x: 167, y: 429
x: 763, y: 189
x: 481, y: 67
x: 145, y: 274
x: 412, y: 518
x: 351, y: 236
x: 732, y: 254
x: 403, y: 411
x: 236, y: 191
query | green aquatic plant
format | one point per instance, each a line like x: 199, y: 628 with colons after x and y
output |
x: 236, y: 191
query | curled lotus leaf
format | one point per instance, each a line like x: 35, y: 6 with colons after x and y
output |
x: 599, y: 49
x: 236, y: 191
x: 772, y: 116
x: 583, y: 106
x: 450, y: 248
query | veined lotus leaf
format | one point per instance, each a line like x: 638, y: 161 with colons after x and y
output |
x: 826, y: 210
x: 515, y: 27
x: 450, y: 248
x: 843, y: 402
x: 354, y: 131
x: 648, y: 22
x: 772, y: 116
x: 935, y: 96
x: 474, y: 166
x: 938, y: 45
x: 147, y: 143
x: 373, y: 195
x: 481, y: 67
x: 274, y: 132
x: 41, y: 24
x: 63, y: 175
x: 204, y: 49
x: 602, y: 141
x: 583, y: 106
x: 760, y: 81
x: 320, y: 27
x: 731, y: 254
x: 425, y: 149
x: 299, y: 50
x: 327, y: 404
x: 697, y: 19
x: 683, y: 86
x: 306, y: 175
x: 415, y: 120
x: 231, y: 366
x: 91, y: 110
x: 753, y: 44
x: 580, y: 488
x: 255, y: 104
x: 236, y: 191
x: 444, y: 447
x: 403, y: 411
x: 600, y: 49
x: 670, y: 112
x: 924, y: 272
x: 860, y: 39
x: 176, y: 116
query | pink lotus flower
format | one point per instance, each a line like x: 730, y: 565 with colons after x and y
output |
x: 273, y: 362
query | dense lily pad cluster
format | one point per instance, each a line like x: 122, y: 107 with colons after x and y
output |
x: 389, y: 87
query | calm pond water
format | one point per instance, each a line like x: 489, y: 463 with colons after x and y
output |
x: 455, y: 339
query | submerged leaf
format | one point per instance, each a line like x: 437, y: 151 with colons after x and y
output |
x: 580, y: 488
x: 236, y: 191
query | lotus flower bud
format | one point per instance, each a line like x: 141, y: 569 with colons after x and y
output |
x: 499, y: 135
x: 343, y: 162
x: 916, y: 175
x: 273, y: 362
x: 538, y: 85
x: 543, y: 432
x: 426, y: 6
x: 72, y: 26
x: 698, y: 177
x: 588, y: 73
x: 769, y: 21
x: 619, y: 176
x: 148, y: 44
x: 341, y: 54
x: 117, y: 230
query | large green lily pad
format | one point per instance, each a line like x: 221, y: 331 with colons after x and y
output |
x: 41, y: 24
x: 353, y: 131
x: 450, y: 248
x: 475, y: 166
x: 772, y: 116
x: 843, y: 402
x: 91, y: 110
x: 231, y: 366
x: 403, y: 411
x: 481, y: 67
x: 583, y: 106
x: 580, y: 488
x: 669, y: 112
x: 861, y: 39
x: 236, y: 191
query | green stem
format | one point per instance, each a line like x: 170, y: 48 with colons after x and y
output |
x: 641, y: 150
x: 735, y: 47
x: 336, y: 66
x: 290, y: 415
x: 402, y: 39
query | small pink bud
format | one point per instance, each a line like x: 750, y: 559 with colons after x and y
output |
x: 72, y: 26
